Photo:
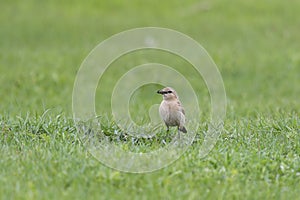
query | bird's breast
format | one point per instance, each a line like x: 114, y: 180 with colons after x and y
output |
x: 170, y: 113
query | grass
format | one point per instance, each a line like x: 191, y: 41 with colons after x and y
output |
x: 254, y: 44
x: 254, y: 158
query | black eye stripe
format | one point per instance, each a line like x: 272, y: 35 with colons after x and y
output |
x: 166, y: 92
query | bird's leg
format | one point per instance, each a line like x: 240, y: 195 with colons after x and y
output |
x: 168, y: 129
x: 178, y: 133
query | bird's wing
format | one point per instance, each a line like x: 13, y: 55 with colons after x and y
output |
x: 181, y: 108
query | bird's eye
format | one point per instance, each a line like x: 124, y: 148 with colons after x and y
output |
x: 169, y: 91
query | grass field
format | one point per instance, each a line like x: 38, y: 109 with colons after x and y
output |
x: 255, y: 44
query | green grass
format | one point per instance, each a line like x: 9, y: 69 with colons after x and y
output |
x: 255, y: 44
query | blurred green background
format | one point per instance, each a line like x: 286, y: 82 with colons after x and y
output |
x: 254, y: 44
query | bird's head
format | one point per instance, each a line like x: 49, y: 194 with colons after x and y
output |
x: 168, y: 93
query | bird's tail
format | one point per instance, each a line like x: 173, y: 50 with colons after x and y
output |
x: 183, y: 129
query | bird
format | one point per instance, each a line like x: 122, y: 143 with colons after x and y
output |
x: 171, y: 110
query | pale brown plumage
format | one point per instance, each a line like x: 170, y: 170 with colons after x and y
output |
x: 171, y: 110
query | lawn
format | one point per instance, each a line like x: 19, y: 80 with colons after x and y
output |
x: 255, y: 45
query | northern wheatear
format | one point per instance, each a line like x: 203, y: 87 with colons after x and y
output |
x: 171, y: 110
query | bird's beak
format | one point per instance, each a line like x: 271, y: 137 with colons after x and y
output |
x: 158, y: 91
